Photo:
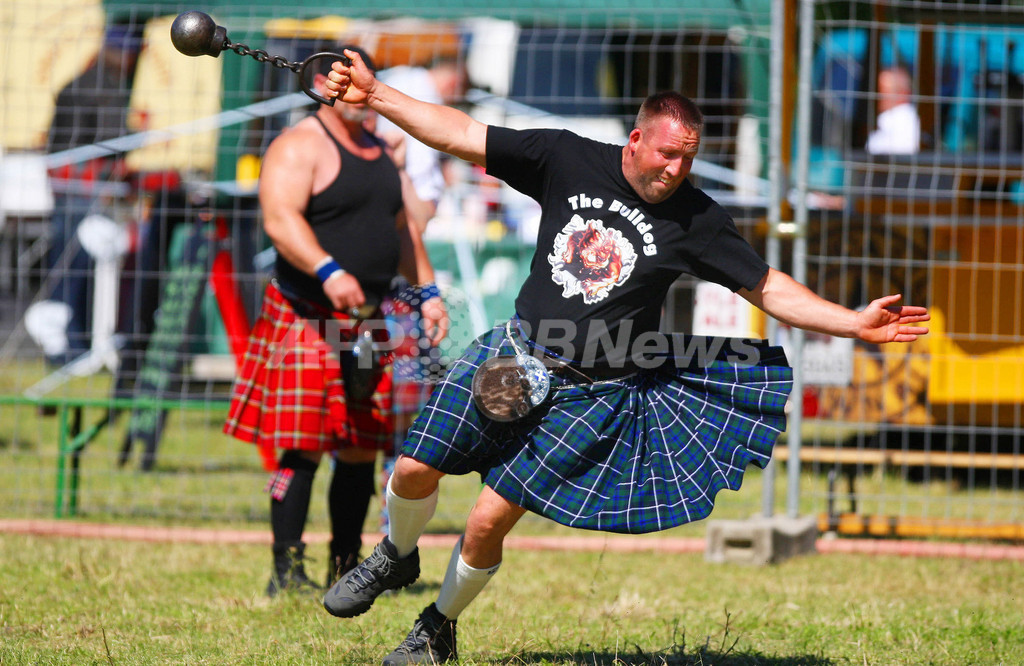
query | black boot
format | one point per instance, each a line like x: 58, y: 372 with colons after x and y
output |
x: 348, y: 501
x: 287, y: 522
x: 289, y: 573
x: 340, y: 564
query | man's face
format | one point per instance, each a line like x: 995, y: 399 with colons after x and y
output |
x: 356, y: 114
x: 658, y: 158
x: 451, y: 80
x: 352, y: 114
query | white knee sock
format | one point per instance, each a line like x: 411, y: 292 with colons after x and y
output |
x: 407, y: 519
x: 461, y: 584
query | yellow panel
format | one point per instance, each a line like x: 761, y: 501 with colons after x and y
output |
x: 46, y: 45
x: 888, y: 386
x: 172, y: 89
x: 321, y: 28
x: 919, y: 528
x: 391, y: 42
x: 956, y: 376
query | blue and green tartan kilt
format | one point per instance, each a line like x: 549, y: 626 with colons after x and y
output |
x: 639, y: 454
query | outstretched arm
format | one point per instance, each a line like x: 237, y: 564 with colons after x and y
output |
x: 440, y: 127
x: 792, y: 303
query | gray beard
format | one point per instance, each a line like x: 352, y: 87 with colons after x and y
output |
x: 354, y: 115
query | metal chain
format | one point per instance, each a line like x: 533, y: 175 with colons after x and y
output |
x: 262, y: 56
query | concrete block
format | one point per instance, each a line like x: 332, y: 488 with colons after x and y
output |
x: 760, y: 541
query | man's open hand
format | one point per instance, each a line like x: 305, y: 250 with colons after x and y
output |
x: 884, y: 321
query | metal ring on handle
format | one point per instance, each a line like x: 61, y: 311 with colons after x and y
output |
x: 329, y: 101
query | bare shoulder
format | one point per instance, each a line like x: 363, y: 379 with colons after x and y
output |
x: 290, y: 162
x: 298, y: 142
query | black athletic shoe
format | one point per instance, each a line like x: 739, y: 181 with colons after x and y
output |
x: 431, y: 641
x: 383, y: 570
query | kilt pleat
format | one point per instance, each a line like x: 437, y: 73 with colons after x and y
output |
x: 289, y: 391
x: 644, y: 453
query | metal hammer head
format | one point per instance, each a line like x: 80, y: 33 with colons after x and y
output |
x: 195, y: 34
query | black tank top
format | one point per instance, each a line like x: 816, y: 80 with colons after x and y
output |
x: 353, y: 219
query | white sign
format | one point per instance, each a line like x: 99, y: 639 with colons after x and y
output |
x: 827, y: 360
x: 719, y: 312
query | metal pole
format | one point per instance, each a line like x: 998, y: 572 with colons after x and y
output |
x: 62, y: 461
x: 776, y: 176
x: 800, y: 247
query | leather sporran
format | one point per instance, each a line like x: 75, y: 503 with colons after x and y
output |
x: 507, y: 387
x: 362, y: 374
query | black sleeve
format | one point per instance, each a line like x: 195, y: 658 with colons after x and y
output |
x: 730, y: 260
x: 519, y: 157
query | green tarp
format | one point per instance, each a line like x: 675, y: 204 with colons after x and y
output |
x: 659, y: 14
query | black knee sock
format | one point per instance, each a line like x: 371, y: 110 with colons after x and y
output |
x: 348, y: 501
x: 288, y: 516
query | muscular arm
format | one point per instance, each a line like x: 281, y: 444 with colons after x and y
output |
x: 792, y: 303
x: 440, y: 127
x: 418, y: 212
x: 414, y: 265
x: 286, y: 182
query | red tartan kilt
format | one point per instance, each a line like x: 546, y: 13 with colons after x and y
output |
x: 289, y: 391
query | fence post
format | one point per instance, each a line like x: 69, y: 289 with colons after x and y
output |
x: 803, y: 138
x: 777, y: 179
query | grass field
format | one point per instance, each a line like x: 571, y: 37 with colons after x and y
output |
x: 82, y: 601
x: 70, y: 601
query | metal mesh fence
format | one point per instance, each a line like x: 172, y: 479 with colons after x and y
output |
x: 142, y: 214
x: 927, y: 435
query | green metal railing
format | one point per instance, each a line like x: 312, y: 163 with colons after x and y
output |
x: 72, y: 438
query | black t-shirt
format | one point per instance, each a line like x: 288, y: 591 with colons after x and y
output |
x: 605, y: 258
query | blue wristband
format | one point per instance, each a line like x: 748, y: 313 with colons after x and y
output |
x: 327, y: 269
x: 428, y: 291
x: 419, y: 294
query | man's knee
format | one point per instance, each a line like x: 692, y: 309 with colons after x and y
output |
x: 489, y: 522
x: 413, y: 479
x: 492, y: 517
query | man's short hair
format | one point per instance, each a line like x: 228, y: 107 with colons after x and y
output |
x: 678, y: 107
